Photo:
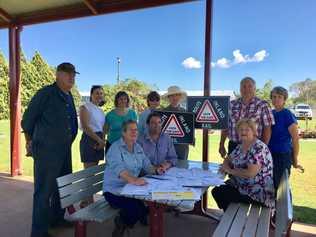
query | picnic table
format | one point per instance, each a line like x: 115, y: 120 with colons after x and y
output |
x: 158, y: 207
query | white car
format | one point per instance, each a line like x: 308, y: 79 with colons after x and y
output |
x: 302, y: 111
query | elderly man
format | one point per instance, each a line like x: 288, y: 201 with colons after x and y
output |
x: 50, y: 126
x: 247, y: 106
x: 157, y: 146
x: 175, y: 96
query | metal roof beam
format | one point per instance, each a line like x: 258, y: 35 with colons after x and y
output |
x: 5, y: 16
x: 91, y: 5
x: 81, y: 10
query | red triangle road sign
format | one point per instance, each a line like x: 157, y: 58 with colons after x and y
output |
x: 173, y: 128
x: 207, y: 114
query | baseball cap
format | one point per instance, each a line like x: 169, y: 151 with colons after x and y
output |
x: 67, y: 67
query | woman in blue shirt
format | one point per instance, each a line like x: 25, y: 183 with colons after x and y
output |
x: 124, y: 162
x: 115, y: 118
x: 284, y: 142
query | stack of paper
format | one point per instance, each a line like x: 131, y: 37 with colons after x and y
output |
x: 176, y: 184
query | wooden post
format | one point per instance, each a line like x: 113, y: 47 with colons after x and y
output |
x: 207, y: 75
x: 15, y: 100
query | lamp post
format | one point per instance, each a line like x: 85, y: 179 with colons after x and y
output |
x: 118, y: 69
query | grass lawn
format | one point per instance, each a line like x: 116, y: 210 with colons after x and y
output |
x: 303, y: 185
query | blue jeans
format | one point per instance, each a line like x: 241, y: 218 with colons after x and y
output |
x: 131, y: 210
x: 281, y: 161
x: 46, y: 203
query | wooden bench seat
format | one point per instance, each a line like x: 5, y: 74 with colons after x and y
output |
x: 79, y: 186
x: 249, y: 220
x: 244, y: 220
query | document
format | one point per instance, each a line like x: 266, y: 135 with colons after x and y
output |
x: 176, y: 184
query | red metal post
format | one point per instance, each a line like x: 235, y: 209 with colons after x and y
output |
x: 15, y: 101
x: 156, y: 211
x: 207, y: 73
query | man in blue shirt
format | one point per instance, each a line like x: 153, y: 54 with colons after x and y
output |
x: 50, y: 126
x: 157, y: 146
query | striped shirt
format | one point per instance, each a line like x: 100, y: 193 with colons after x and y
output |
x: 258, y: 110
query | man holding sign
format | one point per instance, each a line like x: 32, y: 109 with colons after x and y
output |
x: 175, y: 95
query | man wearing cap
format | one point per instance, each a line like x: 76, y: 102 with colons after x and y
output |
x: 50, y: 126
x: 175, y: 95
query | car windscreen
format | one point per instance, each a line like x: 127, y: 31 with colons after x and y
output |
x: 302, y: 107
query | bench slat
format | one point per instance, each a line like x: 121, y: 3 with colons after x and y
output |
x: 240, y: 220
x: 284, y: 213
x: 252, y: 221
x: 264, y: 222
x: 98, y: 211
x: 226, y: 221
x: 80, y: 185
x: 71, y: 199
x: 70, y: 178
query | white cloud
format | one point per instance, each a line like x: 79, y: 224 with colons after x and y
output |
x: 239, y: 58
x: 191, y: 63
x: 260, y: 56
x: 223, y: 63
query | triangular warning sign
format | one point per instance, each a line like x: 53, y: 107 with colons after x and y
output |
x: 173, y: 127
x: 207, y: 113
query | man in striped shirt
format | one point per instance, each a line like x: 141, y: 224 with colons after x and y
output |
x: 247, y: 106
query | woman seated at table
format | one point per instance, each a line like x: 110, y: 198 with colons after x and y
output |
x: 250, y: 170
x: 124, y: 161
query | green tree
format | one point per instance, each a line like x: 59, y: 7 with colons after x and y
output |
x: 30, y: 81
x: 304, y: 91
x: 264, y: 92
x: 4, y: 88
x: 137, y: 91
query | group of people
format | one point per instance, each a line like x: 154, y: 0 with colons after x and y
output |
x: 262, y: 144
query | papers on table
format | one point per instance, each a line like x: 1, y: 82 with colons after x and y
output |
x: 176, y: 195
x: 176, y: 184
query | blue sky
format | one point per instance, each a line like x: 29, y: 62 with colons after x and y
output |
x: 163, y: 46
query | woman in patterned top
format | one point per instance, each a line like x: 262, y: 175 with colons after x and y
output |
x: 250, y: 169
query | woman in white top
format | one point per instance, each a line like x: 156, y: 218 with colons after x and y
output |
x: 92, y: 120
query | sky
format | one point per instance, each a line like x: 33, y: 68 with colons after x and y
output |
x: 163, y: 46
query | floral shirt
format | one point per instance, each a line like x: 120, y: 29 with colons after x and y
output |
x: 260, y: 188
x: 258, y: 110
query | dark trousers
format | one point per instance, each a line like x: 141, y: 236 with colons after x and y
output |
x: 226, y: 194
x: 281, y: 161
x: 107, y: 146
x: 231, y: 146
x: 46, y: 203
x: 131, y: 210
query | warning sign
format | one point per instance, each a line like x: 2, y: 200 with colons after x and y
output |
x: 178, y: 125
x: 173, y: 127
x: 207, y: 114
x: 211, y: 111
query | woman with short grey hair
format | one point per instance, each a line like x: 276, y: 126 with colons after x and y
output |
x: 284, y: 142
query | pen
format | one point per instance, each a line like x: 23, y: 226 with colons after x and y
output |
x: 154, y: 177
x: 195, y: 186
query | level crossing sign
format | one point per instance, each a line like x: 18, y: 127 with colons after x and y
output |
x: 178, y: 125
x: 211, y: 112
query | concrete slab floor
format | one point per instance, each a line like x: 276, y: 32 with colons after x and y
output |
x: 16, y: 213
